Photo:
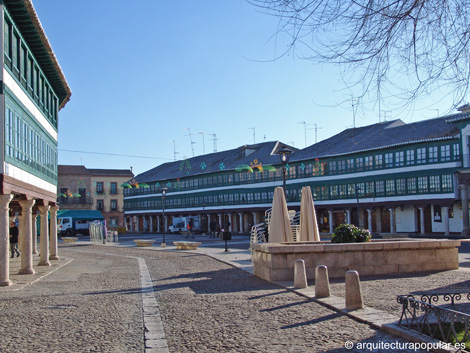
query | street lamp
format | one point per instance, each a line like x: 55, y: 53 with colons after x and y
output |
x: 357, y: 189
x: 163, y: 216
x: 203, y: 217
x: 284, y: 156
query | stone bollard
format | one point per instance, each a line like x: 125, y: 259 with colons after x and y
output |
x: 353, y: 291
x: 300, y: 276
x: 322, y: 283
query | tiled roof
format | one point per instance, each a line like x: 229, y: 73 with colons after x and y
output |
x: 264, y: 153
x: 383, y: 135
x: 111, y: 172
x: 82, y: 170
x: 72, y: 169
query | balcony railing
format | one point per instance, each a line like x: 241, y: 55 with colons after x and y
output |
x: 75, y: 200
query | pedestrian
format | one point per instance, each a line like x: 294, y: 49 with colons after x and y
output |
x: 212, y: 228
x: 14, y: 240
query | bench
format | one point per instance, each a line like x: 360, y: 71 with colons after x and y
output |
x: 144, y: 242
x: 69, y: 239
x: 186, y: 245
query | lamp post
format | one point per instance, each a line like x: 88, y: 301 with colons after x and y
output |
x: 357, y: 189
x: 203, y: 217
x: 163, y: 216
x: 284, y: 156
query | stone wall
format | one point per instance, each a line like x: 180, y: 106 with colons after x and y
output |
x: 275, y: 261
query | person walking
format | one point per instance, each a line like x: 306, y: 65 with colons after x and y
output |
x: 14, y: 240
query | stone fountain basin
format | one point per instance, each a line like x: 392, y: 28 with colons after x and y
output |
x: 275, y: 261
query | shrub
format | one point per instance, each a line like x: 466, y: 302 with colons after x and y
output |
x: 348, y: 233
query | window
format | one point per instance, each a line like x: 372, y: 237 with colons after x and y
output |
x: 379, y: 188
x: 446, y: 181
x: 113, y: 188
x: 113, y: 222
x: 445, y: 153
x: 456, y: 151
x: 332, y: 167
x: 379, y: 161
x: 388, y: 160
x: 435, y: 183
x: 350, y: 165
x: 400, y: 186
x: 341, y: 166
x: 99, y: 187
x: 334, y: 191
x: 399, y: 159
x: 410, y: 157
x: 369, y: 189
x: 390, y: 187
x: 369, y: 162
x: 421, y: 155
x: 422, y: 185
x: 411, y: 185
x: 114, y: 205
x: 100, y: 205
x: 359, y: 164
x: 432, y: 154
x: 342, y: 191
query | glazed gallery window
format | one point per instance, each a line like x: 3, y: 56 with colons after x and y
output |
x: 421, y: 155
x: 410, y: 157
x: 445, y: 153
x: 432, y: 154
x: 27, y: 147
x: 399, y: 159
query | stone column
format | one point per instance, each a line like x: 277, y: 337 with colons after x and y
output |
x: 369, y: 219
x: 137, y: 218
x: 421, y: 219
x: 240, y: 221
x: 158, y: 224
x: 25, y: 235
x: 348, y: 215
x: 230, y: 227
x: 378, y: 219
x: 34, y: 235
x: 44, y: 236
x: 219, y: 215
x: 53, y: 234
x: 330, y: 220
x: 445, y: 219
x: 151, y: 224
x: 416, y: 218
x: 165, y: 223
x: 465, y: 217
x: 255, y: 218
x: 392, y: 220
x: 5, y: 240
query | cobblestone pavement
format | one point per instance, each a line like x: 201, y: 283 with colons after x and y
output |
x: 93, y: 304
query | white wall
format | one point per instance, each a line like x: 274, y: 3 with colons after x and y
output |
x: 405, y: 219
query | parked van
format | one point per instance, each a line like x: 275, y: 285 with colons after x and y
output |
x: 73, y: 222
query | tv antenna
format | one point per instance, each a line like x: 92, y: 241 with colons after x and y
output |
x: 215, y: 139
x: 203, y: 143
x: 254, y: 134
x: 190, y: 139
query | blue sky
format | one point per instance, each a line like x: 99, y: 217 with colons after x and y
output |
x: 144, y: 71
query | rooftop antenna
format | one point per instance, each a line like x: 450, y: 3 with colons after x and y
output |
x: 203, y: 143
x: 354, y: 107
x: 254, y: 134
x: 437, y: 112
x: 316, y: 128
x: 305, y: 131
x: 174, y: 150
x: 387, y: 114
x: 214, y: 138
x: 190, y: 139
